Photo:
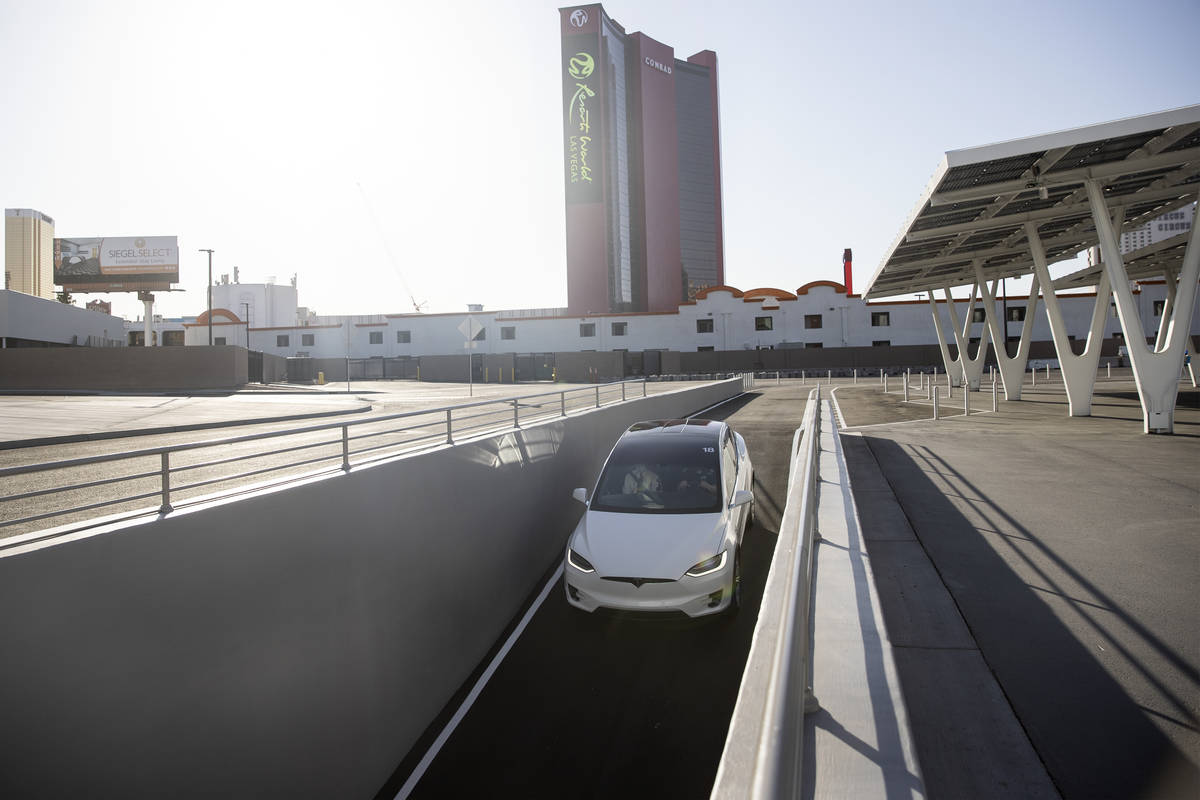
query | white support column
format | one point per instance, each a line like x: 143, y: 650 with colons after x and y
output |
x: 1012, y: 370
x: 941, y: 337
x: 1168, y: 308
x: 1156, y: 373
x: 148, y: 305
x: 971, y: 368
x: 1079, y: 372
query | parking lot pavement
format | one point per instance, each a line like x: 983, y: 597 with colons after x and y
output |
x: 28, y: 421
x: 1069, y: 548
x: 36, y: 420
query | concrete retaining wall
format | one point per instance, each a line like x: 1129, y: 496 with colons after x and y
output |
x: 294, y: 643
x: 274, y: 368
x: 123, y: 368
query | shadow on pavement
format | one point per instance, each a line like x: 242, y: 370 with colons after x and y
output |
x: 1093, y: 738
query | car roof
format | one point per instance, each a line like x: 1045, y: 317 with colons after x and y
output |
x: 700, y: 428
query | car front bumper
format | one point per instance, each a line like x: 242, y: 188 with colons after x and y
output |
x: 696, y: 597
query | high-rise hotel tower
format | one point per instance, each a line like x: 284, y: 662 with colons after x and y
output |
x: 28, y: 252
x: 642, y: 163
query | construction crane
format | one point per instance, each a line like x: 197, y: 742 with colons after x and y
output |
x: 387, y: 249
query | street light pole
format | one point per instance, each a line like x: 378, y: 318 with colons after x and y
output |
x: 210, y: 252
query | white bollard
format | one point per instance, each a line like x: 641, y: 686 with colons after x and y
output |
x: 1047, y: 373
x: 995, y: 407
x: 1033, y: 377
x: 1108, y: 366
x: 830, y: 376
x: 802, y: 377
x: 906, y: 391
x: 855, y: 377
x: 885, y: 384
x: 966, y: 402
x: 935, y: 403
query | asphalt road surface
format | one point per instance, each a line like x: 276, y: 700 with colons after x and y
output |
x: 606, y: 706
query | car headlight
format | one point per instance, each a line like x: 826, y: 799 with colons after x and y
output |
x: 579, y: 562
x: 708, y: 565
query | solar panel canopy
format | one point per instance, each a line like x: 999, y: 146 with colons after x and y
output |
x: 976, y: 206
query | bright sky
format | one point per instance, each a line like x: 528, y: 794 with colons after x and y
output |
x: 249, y: 128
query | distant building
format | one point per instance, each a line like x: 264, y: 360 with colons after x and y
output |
x: 642, y: 168
x: 263, y: 305
x: 103, y: 306
x: 819, y: 315
x: 29, y: 252
x: 1170, y: 224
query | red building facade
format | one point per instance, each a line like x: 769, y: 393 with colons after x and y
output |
x: 642, y: 168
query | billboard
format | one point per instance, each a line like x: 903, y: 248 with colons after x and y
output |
x: 116, y: 263
x: 582, y: 85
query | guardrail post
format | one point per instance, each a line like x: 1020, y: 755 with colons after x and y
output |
x: 449, y: 429
x: 516, y: 417
x: 166, y: 485
x: 345, y: 448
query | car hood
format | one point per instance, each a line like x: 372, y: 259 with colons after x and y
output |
x: 647, y: 545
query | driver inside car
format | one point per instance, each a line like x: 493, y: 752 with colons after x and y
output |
x: 641, y: 479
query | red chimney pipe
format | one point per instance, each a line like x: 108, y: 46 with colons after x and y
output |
x: 847, y: 259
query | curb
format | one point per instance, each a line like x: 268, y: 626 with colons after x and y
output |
x: 121, y: 434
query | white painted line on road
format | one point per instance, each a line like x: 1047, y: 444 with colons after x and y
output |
x: 714, y: 405
x: 419, y: 771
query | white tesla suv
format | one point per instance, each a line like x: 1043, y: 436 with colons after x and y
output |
x: 663, y: 528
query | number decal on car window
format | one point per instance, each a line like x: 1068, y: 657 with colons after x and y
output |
x: 710, y: 449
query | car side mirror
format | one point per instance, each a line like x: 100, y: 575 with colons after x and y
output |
x: 580, y: 494
x: 741, y: 497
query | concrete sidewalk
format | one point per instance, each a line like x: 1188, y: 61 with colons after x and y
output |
x: 1037, y: 574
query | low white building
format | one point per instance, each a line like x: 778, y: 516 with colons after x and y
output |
x: 819, y: 314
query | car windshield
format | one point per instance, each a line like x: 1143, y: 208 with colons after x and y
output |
x: 661, y: 474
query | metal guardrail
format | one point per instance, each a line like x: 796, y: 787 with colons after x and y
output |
x: 169, y: 475
x: 764, y: 747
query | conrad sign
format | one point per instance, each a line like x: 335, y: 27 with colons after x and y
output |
x: 658, y: 65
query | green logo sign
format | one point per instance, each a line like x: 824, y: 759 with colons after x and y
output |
x: 581, y: 66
